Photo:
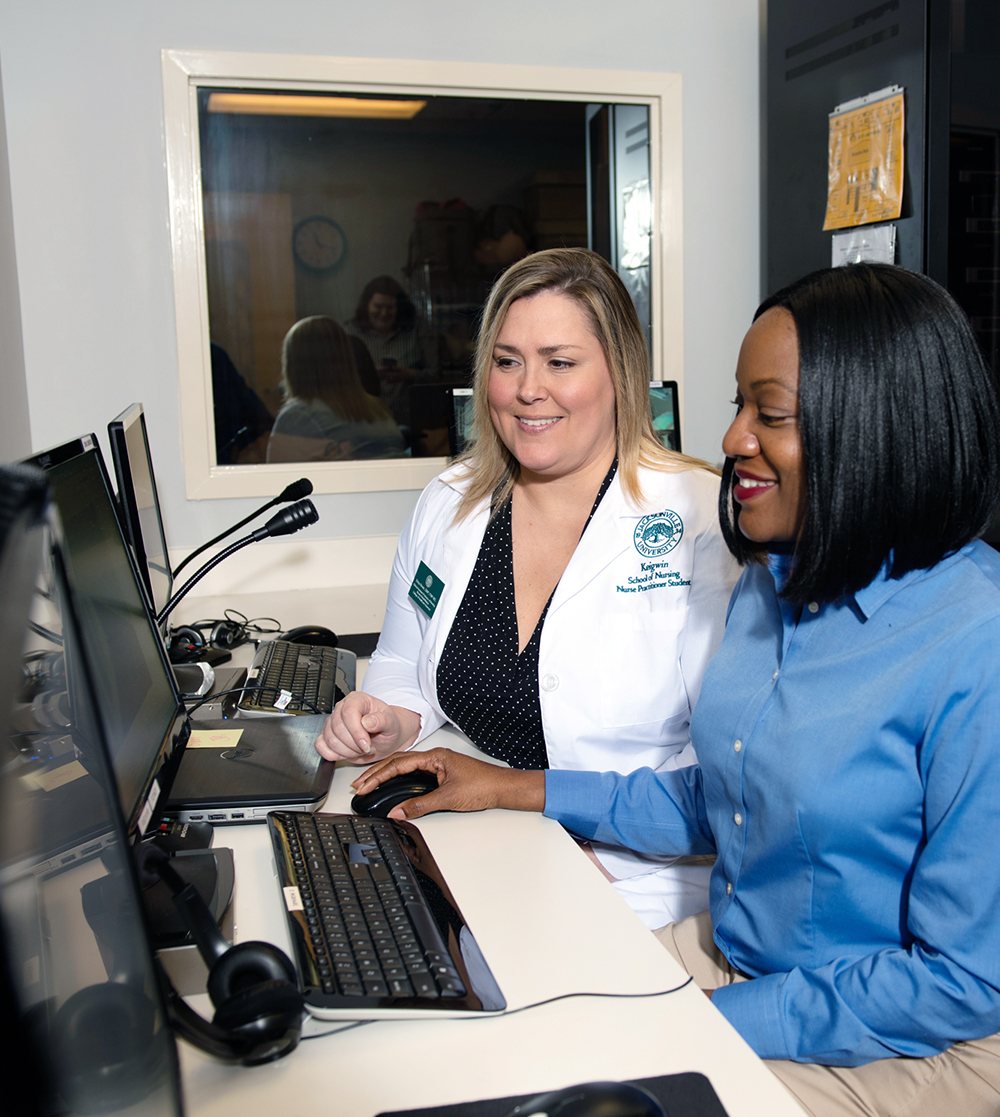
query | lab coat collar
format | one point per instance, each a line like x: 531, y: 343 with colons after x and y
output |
x: 593, y: 553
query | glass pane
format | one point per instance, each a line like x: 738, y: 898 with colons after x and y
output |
x: 349, y: 255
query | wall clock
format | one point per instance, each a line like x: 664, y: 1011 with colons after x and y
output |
x: 318, y: 244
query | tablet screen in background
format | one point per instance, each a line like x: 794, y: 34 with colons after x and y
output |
x: 663, y: 402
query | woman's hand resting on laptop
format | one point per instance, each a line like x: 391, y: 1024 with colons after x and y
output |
x: 363, y: 728
x: 464, y: 784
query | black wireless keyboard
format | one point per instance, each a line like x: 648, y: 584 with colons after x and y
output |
x: 295, y: 679
x: 372, y: 921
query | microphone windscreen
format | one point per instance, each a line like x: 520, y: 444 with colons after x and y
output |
x: 289, y: 520
x: 295, y: 491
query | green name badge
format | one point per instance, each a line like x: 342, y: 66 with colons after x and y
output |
x: 426, y: 589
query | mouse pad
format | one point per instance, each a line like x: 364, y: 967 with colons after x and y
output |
x: 681, y: 1095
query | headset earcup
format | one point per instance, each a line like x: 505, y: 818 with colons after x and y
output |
x: 185, y: 641
x: 258, y: 1003
x: 245, y: 965
x: 224, y: 635
x: 253, y: 987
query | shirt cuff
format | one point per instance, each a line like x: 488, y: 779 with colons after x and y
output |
x: 754, y: 1010
x: 575, y: 799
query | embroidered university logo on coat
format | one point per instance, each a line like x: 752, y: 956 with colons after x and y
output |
x: 657, y: 534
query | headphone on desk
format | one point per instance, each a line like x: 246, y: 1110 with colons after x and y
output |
x: 253, y: 985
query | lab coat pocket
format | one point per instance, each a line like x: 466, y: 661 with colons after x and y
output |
x: 641, y: 680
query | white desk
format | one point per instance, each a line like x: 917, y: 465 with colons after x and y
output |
x: 549, y: 924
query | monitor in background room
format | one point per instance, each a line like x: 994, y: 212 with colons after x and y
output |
x: 86, y: 1022
x: 132, y: 677
x: 460, y: 415
x: 663, y: 401
x: 138, y: 504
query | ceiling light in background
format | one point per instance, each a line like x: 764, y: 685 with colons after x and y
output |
x: 284, y: 104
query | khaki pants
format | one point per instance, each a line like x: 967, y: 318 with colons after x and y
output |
x: 963, y: 1081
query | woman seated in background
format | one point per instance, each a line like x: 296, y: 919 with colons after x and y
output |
x: 848, y: 731
x: 327, y: 415
x: 385, y: 320
x: 559, y: 591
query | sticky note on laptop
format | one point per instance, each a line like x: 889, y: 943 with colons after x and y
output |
x: 214, y: 738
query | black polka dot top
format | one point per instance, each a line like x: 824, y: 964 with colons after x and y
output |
x: 483, y: 685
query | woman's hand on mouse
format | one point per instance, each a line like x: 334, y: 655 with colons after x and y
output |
x: 363, y: 728
x: 464, y: 784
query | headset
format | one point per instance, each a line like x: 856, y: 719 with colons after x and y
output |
x: 190, y: 640
x: 253, y: 985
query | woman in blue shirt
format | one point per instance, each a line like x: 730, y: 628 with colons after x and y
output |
x: 848, y: 730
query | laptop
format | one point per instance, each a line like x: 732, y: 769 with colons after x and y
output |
x: 227, y: 770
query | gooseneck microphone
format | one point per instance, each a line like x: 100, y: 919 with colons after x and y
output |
x: 295, y: 491
x: 285, y: 522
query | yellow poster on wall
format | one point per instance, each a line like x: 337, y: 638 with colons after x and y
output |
x: 866, y: 160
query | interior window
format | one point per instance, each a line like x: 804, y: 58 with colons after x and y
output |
x: 350, y: 244
x: 335, y: 240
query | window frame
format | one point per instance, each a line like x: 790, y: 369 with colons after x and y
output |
x: 184, y: 72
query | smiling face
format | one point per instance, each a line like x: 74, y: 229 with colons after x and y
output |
x: 550, y: 393
x: 382, y: 312
x: 764, y: 437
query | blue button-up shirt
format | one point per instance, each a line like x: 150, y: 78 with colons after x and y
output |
x: 849, y: 783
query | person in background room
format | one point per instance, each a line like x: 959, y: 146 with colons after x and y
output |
x: 385, y: 320
x: 327, y: 415
x: 559, y: 591
x: 847, y: 730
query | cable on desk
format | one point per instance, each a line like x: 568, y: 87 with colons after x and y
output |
x: 515, y: 1011
x: 243, y: 690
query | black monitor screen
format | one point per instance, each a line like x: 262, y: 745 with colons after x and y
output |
x: 139, y: 505
x: 133, y: 681
x: 86, y: 1024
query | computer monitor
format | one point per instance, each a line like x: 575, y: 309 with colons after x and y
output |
x: 663, y: 402
x: 86, y: 1022
x: 132, y: 677
x: 460, y: 416
x: 139, y: 505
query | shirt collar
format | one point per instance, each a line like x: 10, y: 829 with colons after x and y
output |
x: 881, y: 588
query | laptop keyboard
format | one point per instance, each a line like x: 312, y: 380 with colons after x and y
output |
x: 366, y: 908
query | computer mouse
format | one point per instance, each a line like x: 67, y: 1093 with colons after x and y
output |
x: 378, y: 803
x: 592, y: 1099
x: 311, y: 634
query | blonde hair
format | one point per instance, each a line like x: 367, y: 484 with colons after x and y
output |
x: 590, y: 281
x: 317, y: 363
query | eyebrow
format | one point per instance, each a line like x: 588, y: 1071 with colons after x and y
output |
x: 544, y: 351
x: 767, y: 381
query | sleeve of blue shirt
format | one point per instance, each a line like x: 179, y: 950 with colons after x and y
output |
x: 651, y: 813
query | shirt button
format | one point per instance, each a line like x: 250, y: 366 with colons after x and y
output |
x: 775, y: 675
x: 738, y: 745
x: 738, y: 819
x: 813, y: 607
x: 729, y: 888
x: 550, y: 682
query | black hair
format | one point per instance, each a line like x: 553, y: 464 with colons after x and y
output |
x: 406, y: 312
x: 900, y: 428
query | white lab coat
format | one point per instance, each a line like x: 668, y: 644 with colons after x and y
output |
x: 625, y: 643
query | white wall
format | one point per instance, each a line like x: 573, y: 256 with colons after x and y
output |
x: 82, y: 96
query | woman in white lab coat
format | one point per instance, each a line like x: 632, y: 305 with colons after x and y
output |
x: 558, y: 592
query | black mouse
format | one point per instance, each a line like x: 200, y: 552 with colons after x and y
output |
x: 378, y: 803
x: 592, y: 1099
x: 314, y: 634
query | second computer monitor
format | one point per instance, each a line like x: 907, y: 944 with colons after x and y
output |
x: 138, y: 504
